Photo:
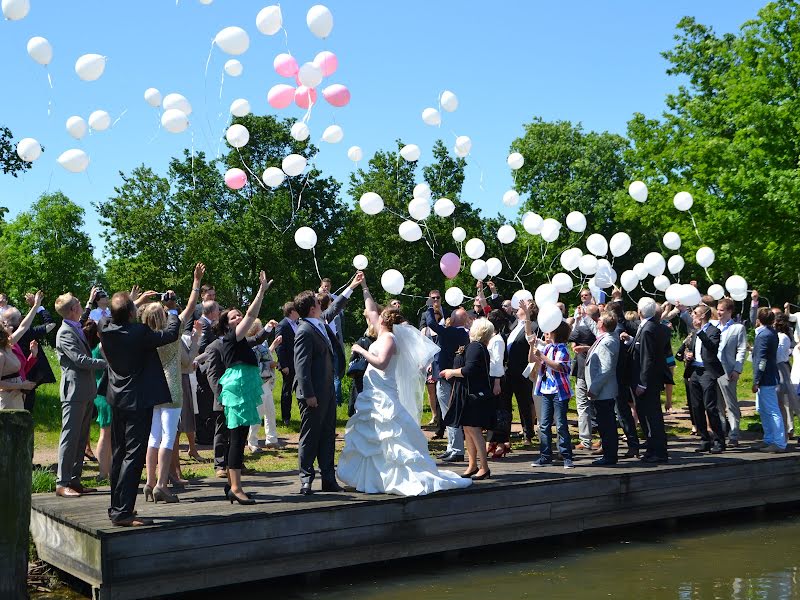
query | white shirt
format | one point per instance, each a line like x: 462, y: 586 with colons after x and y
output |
x: 784, y: 348
x: 99, y: 313
x: 515, y: 333
x: 496, y: 349
x: 698, y: 346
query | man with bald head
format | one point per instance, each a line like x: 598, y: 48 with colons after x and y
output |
x: 584, y: 334
x: 450, y: 339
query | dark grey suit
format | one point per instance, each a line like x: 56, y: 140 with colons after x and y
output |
x: 314, y: 371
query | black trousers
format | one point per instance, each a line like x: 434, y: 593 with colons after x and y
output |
x: 236, y: 442
x: 648, y: 407
x: 317, y: 438
x: 355, y: 389
x: 703, y: 401
x: 522, y: 388
x: 129, y: 432
x: 287, y: 382
x: 221, y: 437
x: 29, y: 397
x: 204, y: 419
x: 625, y: 417
x: 607, y: 425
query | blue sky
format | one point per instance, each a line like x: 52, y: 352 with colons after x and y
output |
x: 583, y: 61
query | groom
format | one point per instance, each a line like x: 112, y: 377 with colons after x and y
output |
x: 318, y: 354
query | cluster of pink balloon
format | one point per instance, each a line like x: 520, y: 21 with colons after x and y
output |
x: 307, y: 78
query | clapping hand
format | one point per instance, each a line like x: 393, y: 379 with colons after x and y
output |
x: 34, y: 347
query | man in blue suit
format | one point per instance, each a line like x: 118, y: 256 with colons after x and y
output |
x: 765, y: 383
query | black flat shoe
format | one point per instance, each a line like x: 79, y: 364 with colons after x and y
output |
x: 469, y: 474
x: 244, y: 501
x: 480, y: 477
x: 331, y: 487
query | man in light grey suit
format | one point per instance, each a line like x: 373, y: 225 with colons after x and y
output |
x: 78, y: 389
x: 601, y: 383
x: 732, y: 350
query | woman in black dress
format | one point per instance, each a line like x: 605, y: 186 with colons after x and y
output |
x: 472, y: 405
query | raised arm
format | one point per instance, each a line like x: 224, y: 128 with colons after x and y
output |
x: 26, y: 322
x: 255, y: 306
x: 199, y: 271
x: 384, y: 352
x: 372, y: 308
x: 337, y: 306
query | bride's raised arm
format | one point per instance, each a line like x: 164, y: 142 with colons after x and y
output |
x: 373, y: 311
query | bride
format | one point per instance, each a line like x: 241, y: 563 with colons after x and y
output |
x: 385, y: 451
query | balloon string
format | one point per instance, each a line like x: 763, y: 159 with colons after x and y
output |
x: 316, y: 265
x: 221, y: 84
x: 250, y: 200
x: 122, y: 114
x: 194, y: 179
x: 158, y: 128
x: 697, y: 233
x: 49, y: 78
x: 708, y: 274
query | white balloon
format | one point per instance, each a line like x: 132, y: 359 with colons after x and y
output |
x: 233, y: 68
x: 432, y: 117
x: 463, y: 146
x: 232, y: 40
x: 306, y: 238
x: 299, y: 131
x: 459, y: 234
x: 532, y: 223
x: 360, y: 262
x: 683, y: 201
x: 371, y: 203
x: 661, y: 282
x: 597, y: 244
x: 444, y: 207
x: 475, y: 248
x: 704, y: 256
x: 90, y: 67
x: 454, y: 296
x: 74, y: 160
x: 506, y: 234
x: 638, y: 191
x: 739, y: 297
x: 570, y: 258
x: 77, y: 127
x: 688, y: 295
x: 294, y: 164
x: 240, y: 107
x: 449, y: 101
x: 269, y: 20
x: 40, y: 50
x: 178, y: 102
x: 479, y: 269
x: 99, y: 120
x: 619, y: 243
x: 550, y: 230
x: 562, y: 282
x: 333, y: 134
x: 310, y: 75
x: 675, y: 264
x: 576, y: 221
x: 673, y: 293
x: 410, y: 152
x: 511, y: 198
x: 629, y: 280
x: 392, y: 281
x: 14, y: 10
x: 716, y: 291
x: 545, y: 294
x: 320, y: 21
x: 410, y: 231
x: 153, y: 97
x: 736, y: 284
x: 237, y: 135
x: 655, y: 263
x: 494, y: 266
x: 174, y: 120
x: 273, y: 177
x: 641, y: 271
x: 28, y: 149
x: 355, y: 153
x: 550, y: 317
x: 419, y: 209
x: 672, y: 240
x: 519, y: 296
x: 515, y: 160
x: 422, y: 190
x: 588, y: 264
x: 605, y: 276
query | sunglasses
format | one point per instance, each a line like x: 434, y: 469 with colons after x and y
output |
x: 436, y: 297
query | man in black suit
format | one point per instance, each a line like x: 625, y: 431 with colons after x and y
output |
x: 702, y: 353
x: 649, y: 372
x: 316, y: 351
x: 40, y: 372
x: 205, y: 419
x: 518, y: 385
x: 434, y: 300
x: 623, y: 405
x: 136, y: 383
x: 287, y: 329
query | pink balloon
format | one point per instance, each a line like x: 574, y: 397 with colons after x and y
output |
x: 235, y: 179
x: 327, y: 61
x: 280, y: 96
x: 337, y: 94
x: 450, y: 264
x: 303, y: 95
x: 285, y: 65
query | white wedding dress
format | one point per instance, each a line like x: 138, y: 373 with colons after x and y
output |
x: 385, y: 451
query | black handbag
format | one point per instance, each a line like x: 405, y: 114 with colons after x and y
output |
x: 358, y: 363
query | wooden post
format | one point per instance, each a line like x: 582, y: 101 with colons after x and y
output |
x: 16, y: 458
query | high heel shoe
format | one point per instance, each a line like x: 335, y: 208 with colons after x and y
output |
x: 479, y: 477
x: 501, y: 451
x: 148, y: 493
x: 161, y: 495
x: 469, y: 474
x: 177, y: 482
x: 491, y: 449
x: 233, y: 497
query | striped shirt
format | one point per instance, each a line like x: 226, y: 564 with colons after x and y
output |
x: 551, y: 381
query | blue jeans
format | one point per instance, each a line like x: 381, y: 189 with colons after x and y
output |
x: 771, y: 419
x: 551, y: 406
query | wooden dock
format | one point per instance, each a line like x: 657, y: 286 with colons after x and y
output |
x: 205, y: 542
